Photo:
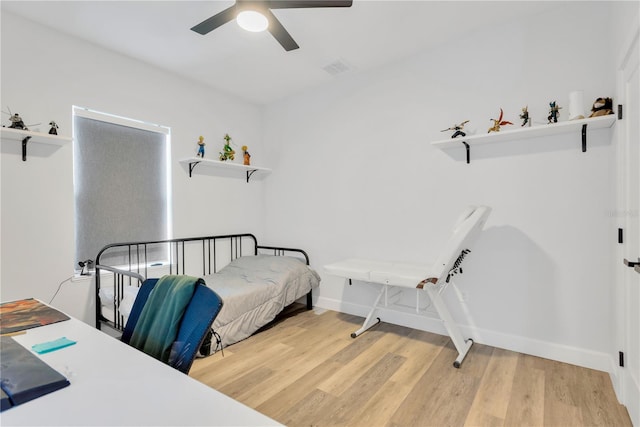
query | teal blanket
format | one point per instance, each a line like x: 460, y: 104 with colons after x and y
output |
x: 159, y: 321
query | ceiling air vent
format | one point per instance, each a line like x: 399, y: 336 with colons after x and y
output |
x: 336, y: 67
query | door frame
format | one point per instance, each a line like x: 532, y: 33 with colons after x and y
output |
x: 626, y: 388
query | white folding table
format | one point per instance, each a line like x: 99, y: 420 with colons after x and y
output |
x: 431, y: 279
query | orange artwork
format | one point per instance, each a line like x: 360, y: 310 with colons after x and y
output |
x: 26, y: 314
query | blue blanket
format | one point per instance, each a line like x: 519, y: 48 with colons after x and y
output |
x: 159, y: 321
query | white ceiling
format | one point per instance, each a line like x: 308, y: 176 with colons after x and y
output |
x: 254, y: 66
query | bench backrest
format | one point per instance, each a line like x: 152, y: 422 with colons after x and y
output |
x: 464, y: 235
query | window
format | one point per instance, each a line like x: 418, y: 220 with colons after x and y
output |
x: 121, y: 182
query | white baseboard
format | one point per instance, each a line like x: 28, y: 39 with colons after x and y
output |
x: 548, y: 350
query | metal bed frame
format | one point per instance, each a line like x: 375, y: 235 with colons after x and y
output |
x: 194, y: 255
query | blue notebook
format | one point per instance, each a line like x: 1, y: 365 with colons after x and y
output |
x: 5, y: 403
x: 24, y: 376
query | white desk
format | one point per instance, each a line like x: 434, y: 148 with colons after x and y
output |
x: 114, y: 384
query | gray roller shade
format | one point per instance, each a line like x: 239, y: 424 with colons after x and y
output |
x: 120, y: 180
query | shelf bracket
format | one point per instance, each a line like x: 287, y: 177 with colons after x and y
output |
x: 584, y: 138
x: 466, y: 145
x: 192, y: 165
x: 24, y: 148
x: 249, y: 173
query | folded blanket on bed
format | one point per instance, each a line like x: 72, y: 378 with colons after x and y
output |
x: 159, y: 321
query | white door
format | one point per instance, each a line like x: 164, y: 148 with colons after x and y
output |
x: 629, y: 286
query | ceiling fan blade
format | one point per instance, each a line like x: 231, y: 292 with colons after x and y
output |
x: 215, y: 21
x: 296, y: 4
x: 278, y: 31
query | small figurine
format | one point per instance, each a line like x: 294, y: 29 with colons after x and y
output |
x: 458, y: 129
x: 246, y: 155
x: 201, y: 145
x: 17, y: 123
x: 554, y: 110
x: 524, y: 116
x: 602, y: 107
x: 227, y: 153
x: 497, y: 123
x: 54, y: 128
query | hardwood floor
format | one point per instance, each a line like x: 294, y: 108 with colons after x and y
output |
x: 305, y: 370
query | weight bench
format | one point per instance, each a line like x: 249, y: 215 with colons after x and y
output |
x: 430, y: 278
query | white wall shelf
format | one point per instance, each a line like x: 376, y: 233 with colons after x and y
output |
x: 29, y: 136
x: 226, y: 168
x: 516, y: 133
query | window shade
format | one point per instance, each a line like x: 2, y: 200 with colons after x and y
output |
x: 120, y: 180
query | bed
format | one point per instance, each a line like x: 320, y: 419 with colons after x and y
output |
x: 255, y: 282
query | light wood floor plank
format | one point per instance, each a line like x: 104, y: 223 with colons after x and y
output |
x: 312, y: 410
x: 361, y: 391
x: 350, y: 373
x: 381, y: 406
x: 491, y: 401
x: 420, y: 354
x: 443, y: 400
x: 287, y: 370
x: 290, y: 396
x: 526, y: 405
x: 305, y: 370
x: 596, y: 403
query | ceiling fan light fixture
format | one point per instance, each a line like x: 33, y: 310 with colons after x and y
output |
x: 252, y: 20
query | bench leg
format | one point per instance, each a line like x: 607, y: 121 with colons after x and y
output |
x: 452, y: 328
x: 370, y: 321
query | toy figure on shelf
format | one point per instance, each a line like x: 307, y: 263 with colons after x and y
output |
x: 17, y: 123
x: 246, y: 155
x: 457, y: 129
x: 54, y: 128
x: 227, y: 152
x: 554, y: 111
x: 602, y: 107
x: 201, y: 145
x: 524, y: 116
x: 497, y: 123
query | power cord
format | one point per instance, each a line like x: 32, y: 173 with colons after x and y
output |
x: 87, y: 263
x: 60, y: 286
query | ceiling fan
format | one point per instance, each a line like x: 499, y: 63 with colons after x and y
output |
x: 256, y: 15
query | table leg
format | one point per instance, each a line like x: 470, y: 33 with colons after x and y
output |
x: 370, y: 321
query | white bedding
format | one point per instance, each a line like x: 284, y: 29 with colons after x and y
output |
x: 254, y: 289
x: 126, y: 304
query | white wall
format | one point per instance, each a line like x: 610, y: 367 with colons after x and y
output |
x: 355, y: 176
x: 44, y: 73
